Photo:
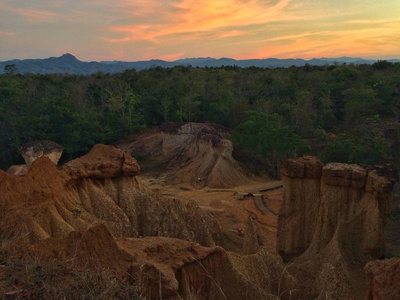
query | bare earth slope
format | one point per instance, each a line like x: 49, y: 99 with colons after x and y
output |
x: 169, y: 236
x: 193, y: 153
x: 94, y: 213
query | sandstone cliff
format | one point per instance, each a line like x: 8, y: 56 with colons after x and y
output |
x: 94, y: 213
x: 99, y: 187
x: 193, y: 153
x: 297, y: 218
x: 384, y: 279
x: 332, y: 219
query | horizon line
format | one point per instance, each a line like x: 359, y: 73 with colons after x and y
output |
x: 205, y: 57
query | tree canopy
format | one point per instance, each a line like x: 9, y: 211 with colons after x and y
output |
x: 285, y: 105
x: 264, y: 134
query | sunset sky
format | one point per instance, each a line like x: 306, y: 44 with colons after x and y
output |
x: 172, y: 29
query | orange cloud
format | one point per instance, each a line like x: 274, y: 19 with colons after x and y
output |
x: 192, y: 16
x: 362, y: 42
x: 233, y: 33
x: 5, y: 33
x: 33, y: 15
x: 145, y: 29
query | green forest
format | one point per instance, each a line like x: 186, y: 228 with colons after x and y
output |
x: 345, y: 113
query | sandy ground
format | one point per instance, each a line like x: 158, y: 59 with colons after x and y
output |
x: 230, y: 211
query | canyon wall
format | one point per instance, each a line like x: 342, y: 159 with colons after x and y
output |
x: 301, y: 202
x: 317, y: 199
x: 98, y: 187
x: 95, y: 214
x: 332, y: 223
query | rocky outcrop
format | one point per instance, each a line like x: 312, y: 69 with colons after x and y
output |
x: 167, y: 268
x: 317, y: 199
x: 231, y: 276
x: 349, y: 192
x: 19, y: 170
x: 194, y: 153
x: 384, y: 279
x: 97, y: 188
x: 94, y: 213
x: 101, y: 163
x: 297, y: 218
x: 340, y: 213
x: 251, y: 243
x: 32, y: 151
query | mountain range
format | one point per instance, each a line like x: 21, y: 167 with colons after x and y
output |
x: 68, y: 63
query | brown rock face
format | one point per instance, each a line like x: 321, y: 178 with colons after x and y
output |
x: 225, y: 275
x: 195, y: 153
x: 102, y: 162
x: 98, y: 187
x: 348, y: 191
x: 314, y: 206
x: 333, y: 223
x: 33, y: 150
x: 297, y: 218
x: 345, y: 175
x: 304, y: 167
x: 95, y: 214
x: 170, y: 268
x: 251, y: 243
x: 384, y: 279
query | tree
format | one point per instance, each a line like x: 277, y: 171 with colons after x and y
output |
x: 364, y: 146
x: 11, y: 69
x: 382, y: 65
x: 264, y: 134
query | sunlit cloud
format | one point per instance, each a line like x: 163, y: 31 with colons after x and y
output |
x: 39, y: 15
x: 233, y: 33
x: 190, y: 16
x: 7, y: 34
x: 33, y: 15
x: 295, y: 36
x: 362, y: 42
x: 374, y: 22
x: 171, y: 29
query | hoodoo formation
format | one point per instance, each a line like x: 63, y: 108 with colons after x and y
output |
x: 95, y: 213
x: 332, y: 222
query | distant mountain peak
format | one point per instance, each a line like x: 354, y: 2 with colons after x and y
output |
x: 68, y: 56
x: 68, y: 63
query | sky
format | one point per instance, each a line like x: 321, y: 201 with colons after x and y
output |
x: 132, y: 30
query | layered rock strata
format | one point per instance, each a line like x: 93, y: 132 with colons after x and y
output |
x: 317, y: 199
x: 331, y: 223
x: 194, y: 153
x: 301, y: 202
x: 94, y: 213
x: 99, y: 187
